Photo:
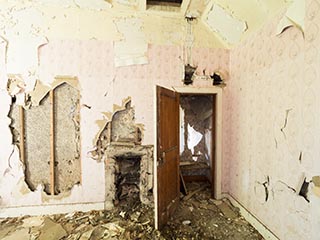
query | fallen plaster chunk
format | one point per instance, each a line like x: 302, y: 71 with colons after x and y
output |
x: 225, y: 24
x: 93, y: 4
x: 227, y: 210
x: 35, y: 221
x: 51, y: 230
x: 132, y: 49
x: 18, y: 234
x: 294, y: 17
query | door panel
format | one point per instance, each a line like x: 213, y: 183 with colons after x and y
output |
x: 167, y: 154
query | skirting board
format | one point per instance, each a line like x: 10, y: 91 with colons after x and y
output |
x: 263, y: 230
x: 49, y: 209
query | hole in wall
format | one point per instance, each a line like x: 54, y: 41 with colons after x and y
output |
x: 304, y: 190
x: 36, y: 130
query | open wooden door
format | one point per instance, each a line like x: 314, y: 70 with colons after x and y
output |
x: 168, y: 181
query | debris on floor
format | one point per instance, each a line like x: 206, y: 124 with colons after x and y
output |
x: 201, y: 217
x: 198, y: 217
x: 131, y: 221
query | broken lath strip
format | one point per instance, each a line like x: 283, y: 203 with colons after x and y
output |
x: 52, y: 145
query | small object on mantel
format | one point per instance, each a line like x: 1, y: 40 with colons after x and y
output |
x: 217, y: 80
x: 188, y: 74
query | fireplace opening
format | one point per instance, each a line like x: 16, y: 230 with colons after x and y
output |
x: 127, y: 179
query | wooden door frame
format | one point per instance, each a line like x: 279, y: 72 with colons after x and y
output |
x: 217, y: 158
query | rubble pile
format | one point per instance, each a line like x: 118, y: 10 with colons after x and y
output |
x: 201, y: 217
x: 124, y: 222
x: 198, y: 217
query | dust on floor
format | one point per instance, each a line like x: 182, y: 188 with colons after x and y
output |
x: 198, y: 217
x: 201, y: 217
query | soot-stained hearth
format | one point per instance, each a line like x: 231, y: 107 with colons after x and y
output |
x: 127, y: 178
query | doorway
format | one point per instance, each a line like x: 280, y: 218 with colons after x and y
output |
x: 167, y: 152
x: 196, y: 137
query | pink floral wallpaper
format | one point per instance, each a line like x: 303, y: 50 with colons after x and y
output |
x: 271, y: 126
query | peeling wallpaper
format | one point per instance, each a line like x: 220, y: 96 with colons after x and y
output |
x: 271, y: 126
x: 270, y: 105
x: 101, y: 85
x: 132, y: 48
x: 40, y: 41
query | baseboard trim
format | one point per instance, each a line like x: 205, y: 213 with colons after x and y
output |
x: 262, y: 229
x: 49, y: 209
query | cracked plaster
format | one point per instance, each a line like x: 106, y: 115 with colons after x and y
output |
x: 264, y: 84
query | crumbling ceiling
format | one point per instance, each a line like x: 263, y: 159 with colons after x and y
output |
x: 232, y: 21
x: 227, y: 21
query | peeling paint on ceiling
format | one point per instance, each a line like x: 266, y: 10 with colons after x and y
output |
x: 294, y: 17
x: 226, y: 25
x: 253, y: 12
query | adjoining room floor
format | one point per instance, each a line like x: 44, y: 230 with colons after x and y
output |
x: 198, y: 217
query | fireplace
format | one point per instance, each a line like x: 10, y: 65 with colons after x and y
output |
x: 128, y: 172
x: 127, y: 179
x: 128, y: 163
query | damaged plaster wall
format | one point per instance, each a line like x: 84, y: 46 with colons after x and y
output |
x: 37, y: 124
x: 120, y: 140
x: 132, y: 49
x: 101, y: 86
x: 37, y: 145
x: 79, y: 42
x: 67, y: 137
x: 271, y: 127
x: 123, y: 127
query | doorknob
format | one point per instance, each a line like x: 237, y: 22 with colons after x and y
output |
x: 161, y: 159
